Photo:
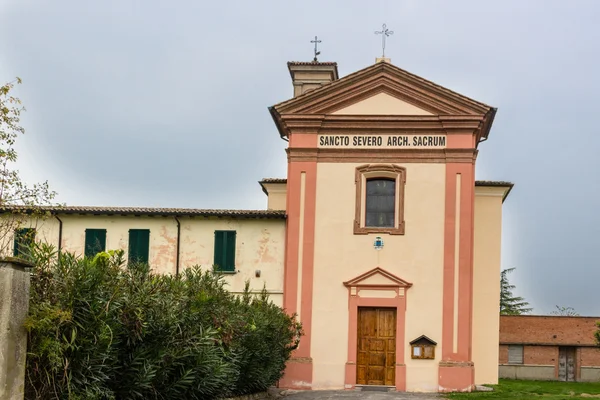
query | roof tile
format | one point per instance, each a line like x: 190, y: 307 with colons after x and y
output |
x: 477, y: 183
x: 312, y: 63
x: 269, y: 214
x: 274, y: 180
x: 494, y: 183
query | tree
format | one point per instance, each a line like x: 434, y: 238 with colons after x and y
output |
x: 565, y: 311
x: 14, y: 192
x: 509, y: 304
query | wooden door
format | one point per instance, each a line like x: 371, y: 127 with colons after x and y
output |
x: 376, y: 359
x: 566, y: 364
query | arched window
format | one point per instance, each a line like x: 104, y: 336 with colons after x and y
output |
x: 380, y: 199
x: 380, y: 202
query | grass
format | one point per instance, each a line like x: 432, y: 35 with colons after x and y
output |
x: 522, y: 390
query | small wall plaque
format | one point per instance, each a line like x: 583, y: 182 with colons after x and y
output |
x: 378, y: 243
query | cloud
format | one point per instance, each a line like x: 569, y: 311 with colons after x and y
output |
x: 154, y: 103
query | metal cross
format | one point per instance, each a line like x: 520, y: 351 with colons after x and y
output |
x: 316, y: 41
x: 385, y: 32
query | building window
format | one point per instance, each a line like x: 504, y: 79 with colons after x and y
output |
x: 515, y: 354
x: 380, y: 204
x: 380, y: 199
x: 95, y: 241
x: 24, y: 239
x: 224, y: 251
x: 422, y: 348
x: 139, y: 245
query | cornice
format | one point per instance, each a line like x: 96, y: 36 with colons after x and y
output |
x: 487, y: 125
x: 383, y: 155
x: 310, y: 123
x: 493, y: 189
x: 382, y: 167
x: 16, y: 263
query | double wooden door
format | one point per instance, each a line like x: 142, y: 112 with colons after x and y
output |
x: 376, y: 359
x: 566, y: 364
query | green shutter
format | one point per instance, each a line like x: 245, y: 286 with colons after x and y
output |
x: 230, y: 250
x: 219, y: 259
x: 139, y: 245
x: 24, y: 239
x: 95, y: 241
x: 225, y: 251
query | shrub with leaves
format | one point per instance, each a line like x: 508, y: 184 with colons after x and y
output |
x: 101, y: 330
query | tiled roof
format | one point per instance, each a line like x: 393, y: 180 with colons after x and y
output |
x: 494, y: 183
x: 312, y: 63
x: 269, y: 214
x: 199, y: 212
x: 477, y: 183
x: 509, y: 185
x: 274, y: 180
x: 270, y: 180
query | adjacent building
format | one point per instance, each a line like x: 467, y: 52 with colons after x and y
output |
x: 549, y: 348
x: 379, y: 238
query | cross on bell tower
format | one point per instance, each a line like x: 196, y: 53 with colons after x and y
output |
x: 316, y: 42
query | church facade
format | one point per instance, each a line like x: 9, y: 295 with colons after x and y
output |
x: 380, y: 239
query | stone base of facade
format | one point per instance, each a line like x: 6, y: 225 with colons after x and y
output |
x: 456, y: 376
x: 298, y: 374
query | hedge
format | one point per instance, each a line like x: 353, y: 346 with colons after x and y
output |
x: 100, y: 329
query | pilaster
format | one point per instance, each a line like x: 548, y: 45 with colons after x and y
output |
x: 14, y: 306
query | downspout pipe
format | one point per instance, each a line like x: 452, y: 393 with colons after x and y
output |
x: 60, y: 229
x: 178, y: 246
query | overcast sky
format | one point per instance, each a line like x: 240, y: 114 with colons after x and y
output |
x: 164, y: 103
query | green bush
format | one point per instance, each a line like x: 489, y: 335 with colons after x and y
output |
x: 101, y: 330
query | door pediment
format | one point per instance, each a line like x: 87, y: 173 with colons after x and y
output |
x: 377, y: 277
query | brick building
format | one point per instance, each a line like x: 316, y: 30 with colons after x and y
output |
x: 549, y: 348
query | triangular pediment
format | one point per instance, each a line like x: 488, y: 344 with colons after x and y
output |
x: 382, y: 82
x: 382, y: 104
x: 377, y: 277
x: 423, y: 340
